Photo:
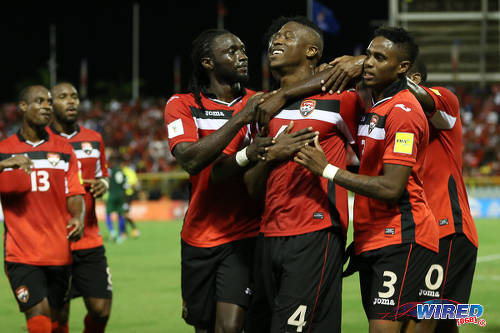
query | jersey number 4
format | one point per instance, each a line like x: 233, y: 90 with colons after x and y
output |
x: 39, y: 181
x: 298, y: 318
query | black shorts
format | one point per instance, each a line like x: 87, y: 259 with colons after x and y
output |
x: 389, y: 278
x: 215, y: 274
x: 31, y: 284
x: 301, y: 277
x: 450, y: 275
x: 90, y: 275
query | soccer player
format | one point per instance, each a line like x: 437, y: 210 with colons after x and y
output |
x: 395, y: 234
x: 116, y: 199
x: 90, y: 273
x: 221, y: 223
x: 300, y: 252
x: 43, y: 209
x: 451, y: 273
x: 133, y: 186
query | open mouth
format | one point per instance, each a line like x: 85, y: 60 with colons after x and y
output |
x: 277, y: 51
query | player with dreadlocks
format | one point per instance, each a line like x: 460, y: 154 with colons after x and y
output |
x: 222, y: 221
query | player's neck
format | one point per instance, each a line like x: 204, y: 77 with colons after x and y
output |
x: 224, y: 91
x: 66, y: 128
x: 33, y: 134
x: 379, y: 93
x: 296, y: 74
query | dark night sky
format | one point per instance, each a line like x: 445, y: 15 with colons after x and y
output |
x: 103, y: 34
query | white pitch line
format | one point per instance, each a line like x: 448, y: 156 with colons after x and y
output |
x: 488, y: 258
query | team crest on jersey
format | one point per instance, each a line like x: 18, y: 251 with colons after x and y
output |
x: 373, y: 123
x: 53, y: 158
x: 87, y: 147
x: 307, y: 107
x: 22, y: 294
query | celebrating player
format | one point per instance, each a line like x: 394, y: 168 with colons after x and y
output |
x: 452, y: 270
x: 395, y: 234
x: 43, y: 209
x: 305, y: 217
x: 90, y: 273
x: 222, y: 221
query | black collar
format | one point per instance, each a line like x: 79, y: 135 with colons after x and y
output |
x: 394, y: 88
x: 53, y: 128
x: 45, y: 136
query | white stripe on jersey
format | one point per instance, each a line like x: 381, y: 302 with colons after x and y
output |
x: 377, y: 133
x: 209, y: 124
x: 81, y: 154
x: 321, y: 115
x: 442, y: 120
x: 44, y: 164
x: 327, y: 116
x: 98, y: 169
x: 66, y: 189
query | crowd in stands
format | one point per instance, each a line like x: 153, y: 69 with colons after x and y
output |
x: 137, y: 130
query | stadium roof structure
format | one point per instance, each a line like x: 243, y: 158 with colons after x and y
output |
x: 459, y: 39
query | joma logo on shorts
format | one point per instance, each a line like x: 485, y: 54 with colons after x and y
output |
x: 383, y: 301
x: 430, y: 293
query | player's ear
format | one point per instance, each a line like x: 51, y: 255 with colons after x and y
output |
x: 312, y: 51
x: 23, y: 106
x: 416, y: 77
x: 404, y: 66
x: 207, y: 63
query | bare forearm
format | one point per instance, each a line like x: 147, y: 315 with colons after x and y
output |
x: 196, y: 156
x: 375, y: 187
x: 225, y: 168
x: 306, y: 88
x: 76, y: 206
x: 423, y: 97
x: 256, y: 179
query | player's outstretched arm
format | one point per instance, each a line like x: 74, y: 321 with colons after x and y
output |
x: 195, y: 156
x: 423, y: 97
x: 388, y: 187
x: 17, y: 162
x: 333, y: 77
x: 344, y: 70
x: 278, y: 98
x: 228, y: 166
x: 287, y: 144
x: 76, y: 209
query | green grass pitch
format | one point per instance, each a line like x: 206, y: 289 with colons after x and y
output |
x: 147, y: 298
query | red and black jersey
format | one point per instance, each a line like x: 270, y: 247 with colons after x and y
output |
x: 90, y: 152
x: 221, y: 213
x: 394, y: 131
x: 35, y: 208
x: 298, y: 202
x: 443, y: 182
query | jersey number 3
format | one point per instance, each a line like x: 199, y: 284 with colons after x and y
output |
x: 39, y: 181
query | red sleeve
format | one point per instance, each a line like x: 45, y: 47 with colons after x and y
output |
x: 179, y: 122
x: 406, y: 133
x: 102, y: 159
x: 447, y: 108
x: 73, y: 176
